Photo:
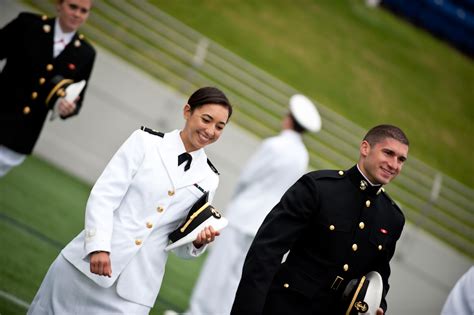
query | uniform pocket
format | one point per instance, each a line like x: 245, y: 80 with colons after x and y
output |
x: 380, y: 238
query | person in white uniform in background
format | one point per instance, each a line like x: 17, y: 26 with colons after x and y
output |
x: 116, y: 264
x: 275, y: 166
x: 460, y: 300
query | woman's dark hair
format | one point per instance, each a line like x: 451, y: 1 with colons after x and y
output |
x: 209, y: 95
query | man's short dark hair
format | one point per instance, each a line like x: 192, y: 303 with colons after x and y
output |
x: 381, y: 132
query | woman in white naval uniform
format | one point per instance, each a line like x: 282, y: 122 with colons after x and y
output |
x: 116, y: 265
x: 277, y: 164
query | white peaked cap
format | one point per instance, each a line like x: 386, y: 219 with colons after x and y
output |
x: 373, y: 296
x: 305, y: 112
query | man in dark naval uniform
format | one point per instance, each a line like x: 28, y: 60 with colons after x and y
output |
x: 337, y: 225
x: 41, y: 54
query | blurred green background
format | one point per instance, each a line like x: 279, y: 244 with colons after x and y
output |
x: 366, y: 64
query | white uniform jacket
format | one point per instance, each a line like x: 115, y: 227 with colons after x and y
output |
x: 140, y: 198
x: 275, y: 166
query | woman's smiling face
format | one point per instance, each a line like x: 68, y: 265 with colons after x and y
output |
x: 204, y: 125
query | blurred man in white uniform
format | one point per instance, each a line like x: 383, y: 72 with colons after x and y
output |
x: 277, y: 164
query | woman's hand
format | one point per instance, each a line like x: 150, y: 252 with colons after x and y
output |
x: 100, y: 263
x: 206, y: 236
x: 380, y: 311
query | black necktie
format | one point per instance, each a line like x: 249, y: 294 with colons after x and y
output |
x: 185, y: 157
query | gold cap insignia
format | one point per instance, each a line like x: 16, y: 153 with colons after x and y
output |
x: 361, y: 306
x: 215, y: 213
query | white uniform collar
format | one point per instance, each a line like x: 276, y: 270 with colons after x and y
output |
x: 373, y: 185
x: 175, y: 135
x: 171, y: 147
x: 290, y: 133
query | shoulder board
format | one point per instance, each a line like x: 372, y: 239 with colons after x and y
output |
x: 35, y: 16
x: 391, y: 200
x: 213, y: 168
x: 328, y: 174
x: 86, y: 42
x: 153, y: 132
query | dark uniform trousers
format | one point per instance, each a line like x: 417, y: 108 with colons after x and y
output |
x: 337, y: 228
x: 27, y: 45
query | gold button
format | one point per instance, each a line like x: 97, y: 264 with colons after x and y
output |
x: 138, y: 242
x: 26, y: 110
x: 380, y: 247
x: 149, y: 225
x: 170, y: 193
x: 81, y: 36
x: 49, y: 67
x: 341, y: 173
x: 361, y: 225
x: 332, y: 227
x: 345, y: 267
x: 286, y: 285
x: 44, y: 17
x: 354, y: 247
x: 42, y: 81
x: 367, y: 203
x: 34, y: 95
x: 160, y: 209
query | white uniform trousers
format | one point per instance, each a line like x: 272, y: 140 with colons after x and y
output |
x: 66, y: 290
x: 219, y: 278
x: 9, y: 159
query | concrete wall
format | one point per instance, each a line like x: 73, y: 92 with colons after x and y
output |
x: 121, y: 98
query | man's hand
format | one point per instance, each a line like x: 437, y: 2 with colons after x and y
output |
x: 100, y: 263
x: 66, y: 108
x: 206, y: 236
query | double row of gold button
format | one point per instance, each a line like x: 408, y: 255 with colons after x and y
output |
x: 34, y: 94
x: 149, y: 224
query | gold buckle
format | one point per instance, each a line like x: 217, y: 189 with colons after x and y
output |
x: 337, y: 282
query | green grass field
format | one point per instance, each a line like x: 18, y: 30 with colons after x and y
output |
x: 366, y: 64
x: 41, y: 210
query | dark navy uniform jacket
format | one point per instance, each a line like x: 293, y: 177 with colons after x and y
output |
x: 27, y: 45
x: 337, y: 228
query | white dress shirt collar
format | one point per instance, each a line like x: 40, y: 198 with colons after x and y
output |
x: 61, y: 38
x: 371, y: 184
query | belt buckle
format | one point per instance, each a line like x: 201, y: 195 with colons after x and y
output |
x: 337, y: 282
